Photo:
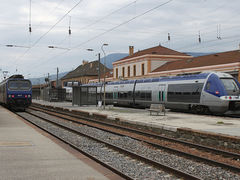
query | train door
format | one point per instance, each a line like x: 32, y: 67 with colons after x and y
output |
x: 115, y: 94
x: 161, y: 93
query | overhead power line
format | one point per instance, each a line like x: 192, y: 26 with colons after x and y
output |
x: 125, y: 22
x: 104, y: 17
x: 154, y: 8
x: 39, y: 39
x: 30, y: 16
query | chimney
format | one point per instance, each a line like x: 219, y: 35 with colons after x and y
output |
x: 131, y: 50
x: 84, y: 62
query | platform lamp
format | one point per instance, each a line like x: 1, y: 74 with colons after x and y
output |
x: 104, y: 78
x: 99, y: 56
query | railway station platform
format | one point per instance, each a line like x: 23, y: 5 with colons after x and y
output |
x: 171, y: 121
x: 29, y: 153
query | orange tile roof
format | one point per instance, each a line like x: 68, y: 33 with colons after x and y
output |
x: 157, y: 50
x: 208, y: 60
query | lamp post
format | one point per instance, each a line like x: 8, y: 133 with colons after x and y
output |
x: 98, y: 64
x: 104, y: 78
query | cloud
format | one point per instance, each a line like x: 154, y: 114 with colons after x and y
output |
x: 183, y: 19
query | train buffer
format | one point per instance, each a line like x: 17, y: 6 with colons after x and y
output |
x: 157, y: 108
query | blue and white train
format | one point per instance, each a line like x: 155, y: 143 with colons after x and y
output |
x: 213, y: 92
x: 16, y: 92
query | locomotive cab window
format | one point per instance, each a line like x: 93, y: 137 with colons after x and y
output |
x: 230, y: 85
x: 208, y: 86
x: 19, y: 85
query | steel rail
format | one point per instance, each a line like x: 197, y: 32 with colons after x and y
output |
x: 81, y: 151
x: 220, y: 164
x: 129, y: 153
x: 149, y: 134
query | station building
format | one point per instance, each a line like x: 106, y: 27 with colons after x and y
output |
x: 228, y: 62
x: 142, y: 63
x: 84, y: 73
x: 161, y: 61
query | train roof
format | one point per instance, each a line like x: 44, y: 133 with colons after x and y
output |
x: 162, y: 79
x: 16, y: 76
x: 158, y: 79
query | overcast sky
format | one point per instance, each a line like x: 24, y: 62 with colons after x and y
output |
x: 120, y: 23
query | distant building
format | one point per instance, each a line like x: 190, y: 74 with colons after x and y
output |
x: 83, y: 73
x: 141, y: 63
x: 161, y: 61
x: 228, y: 62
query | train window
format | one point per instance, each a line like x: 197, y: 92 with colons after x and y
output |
x: 208, y: 86
x: 137, y: 94
x: 184, y: 92
x: 129, y: 95
x: 142, y: 95
x: 230, y: 85
x: 19, y: 85
x: 120, y: 95
x: 195, y: 93
x: 148, y: 96
x: 13, y: 85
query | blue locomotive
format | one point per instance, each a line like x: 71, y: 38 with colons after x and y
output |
x: 16, y: 92
x: 213, y: 92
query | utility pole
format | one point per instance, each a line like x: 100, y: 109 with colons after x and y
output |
x: 104, y: 78
x: 48, y: 88
x: 57, y: 78
x: 48, y: 81
x: 99, y: 67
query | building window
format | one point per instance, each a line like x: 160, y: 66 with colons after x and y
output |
x: 123, y: 71
x: 128, y: 71
x: 134, y: 70
x: 142, y: 69
x: 116, y: 73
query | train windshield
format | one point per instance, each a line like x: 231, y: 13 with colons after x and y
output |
x: 19, y: 85
x: 230, y: 86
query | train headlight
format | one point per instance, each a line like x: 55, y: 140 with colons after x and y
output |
x: 29, y: 95
x: 13, y: 96
x: 217, y: 92
x: 230, y: 97
x: 9, y: 96
x: 26, y: 96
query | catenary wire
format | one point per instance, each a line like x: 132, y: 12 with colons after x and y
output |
x: 39, y: 39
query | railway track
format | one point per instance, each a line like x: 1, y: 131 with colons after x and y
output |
x: 96, y: 147
x: 148, y: 138
x: 217, y: 157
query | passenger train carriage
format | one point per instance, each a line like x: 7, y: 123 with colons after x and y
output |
x: 206, y: 92
x: 16, y: 92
